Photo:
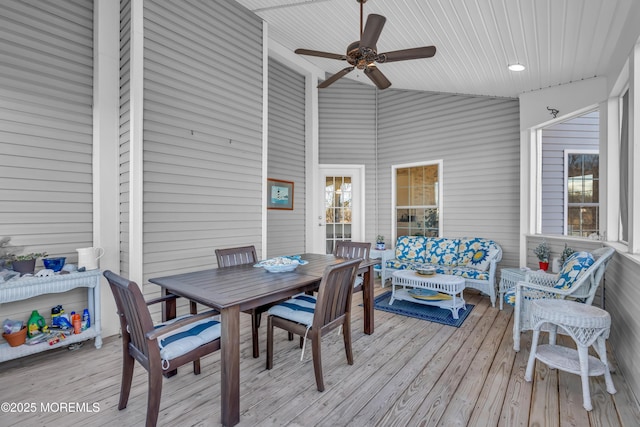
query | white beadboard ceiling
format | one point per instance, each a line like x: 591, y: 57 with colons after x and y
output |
x: 559, y: 41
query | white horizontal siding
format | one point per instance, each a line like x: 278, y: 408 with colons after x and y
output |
x: 202, y: 132
x: 124, y: 139
x: 286, y: 157
x: 579, y: 133
x: 347, y: 135
x: 46, y: 64
x: 478, y: 141
x: 622, y: 301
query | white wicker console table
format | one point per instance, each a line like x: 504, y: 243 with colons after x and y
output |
x: 587, y: 325
x: 443, y: 283
x: 34, y: 286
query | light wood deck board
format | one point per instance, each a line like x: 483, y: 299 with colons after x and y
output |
x: 489, y: 404
x: 462, y: 403
x: 545, y: 409
x: 441, y: 395
x: 419, y: 388
x: 517, y: 403
x: 409, y: 371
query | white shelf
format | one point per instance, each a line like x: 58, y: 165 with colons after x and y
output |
x: 8, y: 353
x: 455, y: 304
x: 26, y: 288
x: 446, y: 284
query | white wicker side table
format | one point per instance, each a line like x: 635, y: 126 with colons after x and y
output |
x: 384, y: 255
x: 587, y: 325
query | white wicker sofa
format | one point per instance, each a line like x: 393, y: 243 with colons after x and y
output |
x: 472, y: 258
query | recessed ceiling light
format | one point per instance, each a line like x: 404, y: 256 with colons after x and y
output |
x: 516, y: 67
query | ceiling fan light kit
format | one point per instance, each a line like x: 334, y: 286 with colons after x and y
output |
x: 363, y: 54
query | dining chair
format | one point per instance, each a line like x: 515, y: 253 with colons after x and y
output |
x: 158, y: 348
x: 352, y: 250
x: 312, y: 317
x: 239, y: 256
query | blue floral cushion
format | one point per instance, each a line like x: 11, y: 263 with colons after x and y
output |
x: 409, y: 265
x: 410, y: 248
x: 470, y: 273
x: 469, y: 246
x: 573, y: 268
x: 510, y: 296
x: 481, y: 259
x: 529, y: 295
x: 442, y: 251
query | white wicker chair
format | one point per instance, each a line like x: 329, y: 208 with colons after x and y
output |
x: 538, y: 285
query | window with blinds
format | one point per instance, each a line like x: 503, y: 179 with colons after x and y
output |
x: 417, y: 200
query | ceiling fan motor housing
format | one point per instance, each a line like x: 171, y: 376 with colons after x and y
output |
x: 361, y: 57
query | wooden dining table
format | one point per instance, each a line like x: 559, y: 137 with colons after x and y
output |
x: 231, y: 290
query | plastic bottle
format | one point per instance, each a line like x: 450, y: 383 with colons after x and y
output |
x: 86, y: 319
x: 77, y: 323
x: 35, y: 324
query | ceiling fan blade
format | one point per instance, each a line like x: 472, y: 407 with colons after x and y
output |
x: 377, y: 77
x: 405, y: 54
x: 335, y: 77
x: 372, y: 31
x: 320, y: 54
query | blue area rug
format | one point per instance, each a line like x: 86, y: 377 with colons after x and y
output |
x: 420, y: 311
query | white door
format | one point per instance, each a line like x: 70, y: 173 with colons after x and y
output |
x: 341, y: 215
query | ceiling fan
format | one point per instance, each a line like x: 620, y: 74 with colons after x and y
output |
x: 363, y: 54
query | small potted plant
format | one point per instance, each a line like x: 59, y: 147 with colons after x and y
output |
x: 380, y: 242
x: 26, y: 264
x: 7, y: 252
x: 566, y: 253
x: 543, y: 252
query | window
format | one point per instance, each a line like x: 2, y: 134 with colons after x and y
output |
x: 582, y: 201
x: 417, y: 201
x: 337, y: 206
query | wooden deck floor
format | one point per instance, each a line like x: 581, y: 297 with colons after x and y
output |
x: 408, y: 373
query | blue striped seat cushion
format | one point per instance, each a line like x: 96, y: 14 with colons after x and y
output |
x: 187, y: 338
x: 298, y: 309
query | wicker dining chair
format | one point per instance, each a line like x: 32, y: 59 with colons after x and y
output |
x: 312, y: 317
x: 162, y: 348
x: 239, y: 256
x: 352, y: 250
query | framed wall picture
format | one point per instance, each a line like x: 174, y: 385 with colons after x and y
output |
x: 279, y: 194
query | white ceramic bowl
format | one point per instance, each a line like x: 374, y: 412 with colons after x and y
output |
x: 427, y: 271
x: 279, y: 264
x: 281, y: 268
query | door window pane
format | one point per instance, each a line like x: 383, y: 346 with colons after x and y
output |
x: 338, y: 205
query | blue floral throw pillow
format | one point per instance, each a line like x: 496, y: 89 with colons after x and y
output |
x: 481, y: 258
x: 573, y: 268
x: 410, y: 248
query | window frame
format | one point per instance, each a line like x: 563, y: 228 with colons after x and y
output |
x: 440, y: 192
x: 567, y: 153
